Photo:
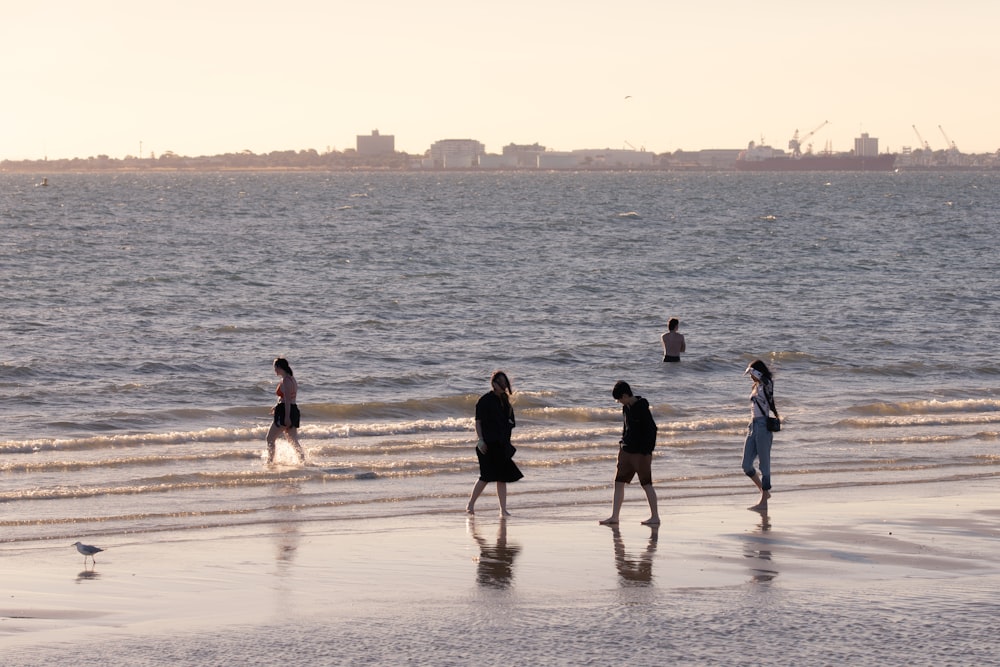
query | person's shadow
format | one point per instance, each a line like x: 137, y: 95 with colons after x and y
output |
x: 495, y: 564
x: 762, y: 569
x: 635, y: 569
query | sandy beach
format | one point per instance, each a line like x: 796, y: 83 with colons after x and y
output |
x: 907, y: 572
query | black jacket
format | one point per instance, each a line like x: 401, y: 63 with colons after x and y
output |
x: 497, y: 417
x: 639, y: 431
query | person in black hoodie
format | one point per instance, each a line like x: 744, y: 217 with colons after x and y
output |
x: 635, y: 456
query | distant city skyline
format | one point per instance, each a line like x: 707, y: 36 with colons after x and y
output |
x: 220, y: 76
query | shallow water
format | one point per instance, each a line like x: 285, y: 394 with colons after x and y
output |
x: 142, y: 312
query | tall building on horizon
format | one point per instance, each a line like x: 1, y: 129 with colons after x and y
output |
x: 456, y: 153
x: 376, y: 144
x: 524, y: 155
x: 865, y: 146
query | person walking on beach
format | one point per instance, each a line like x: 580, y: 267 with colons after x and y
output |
x: 494, y: 422
x: 759, y: 438
x: 635, y: 454
x: 673, y: 342
x: 286, y: 412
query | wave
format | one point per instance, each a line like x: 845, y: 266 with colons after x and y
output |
x: 542, y: 423
x: 229, y: 435
x: 383, y: 410
x: 210, y: 435
x: 568, y: 414
x: 922, y: 439
x: 922, y: 420
x: 361, y: 429
x: 545, y: 447
x: 927, y: 407
x: 121, y: 462
x: 8, y: 371
x: 776, y: 359
x: 238, y: 480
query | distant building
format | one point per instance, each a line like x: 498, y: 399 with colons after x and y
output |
x: 455, y: 154
x: 614, y: 158
x: 495, y: 161
x: 717, y: 158
x: 558, y: 160
x: 523, y: 155
x: 591, y: 158
x: 708, y: 158
x: 376, y: 144
x: 865, y: 146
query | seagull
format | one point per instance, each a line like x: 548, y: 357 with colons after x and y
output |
x: 87, y: 550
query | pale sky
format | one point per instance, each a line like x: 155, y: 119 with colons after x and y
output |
x: 82, y: 78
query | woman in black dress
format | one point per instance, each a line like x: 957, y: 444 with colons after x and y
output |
x: 494, y: 422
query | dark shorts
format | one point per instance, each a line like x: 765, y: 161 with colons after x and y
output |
x: 630, y: 465
x: 279, y: 415
x: 667, y: 357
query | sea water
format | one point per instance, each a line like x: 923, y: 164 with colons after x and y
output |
x: 142, y: 312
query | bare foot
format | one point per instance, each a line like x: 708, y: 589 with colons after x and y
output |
x: 759, y: 507
x: 610, y: 521
x: 652, y: 521
x: 469, y: 510
x: 504, y: 513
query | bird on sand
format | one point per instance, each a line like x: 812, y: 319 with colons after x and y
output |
x: 87, y: 551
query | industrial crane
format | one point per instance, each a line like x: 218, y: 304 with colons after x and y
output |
x: 951, y: 144
x: 795, y: 144
x: 923, y: 144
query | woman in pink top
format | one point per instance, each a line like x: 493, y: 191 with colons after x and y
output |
x: 286, y: 412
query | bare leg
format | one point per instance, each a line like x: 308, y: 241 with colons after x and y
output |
x: 293, y: 437
x: 272, y: 435
x: 502, y: 497
x: 654, y: 514
x: 476, y: 492
x: 616, y: 504
x: 764, y: 493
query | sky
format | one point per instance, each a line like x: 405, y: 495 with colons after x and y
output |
x: 206, y: 77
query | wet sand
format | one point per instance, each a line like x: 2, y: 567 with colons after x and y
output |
x: 551, y: 580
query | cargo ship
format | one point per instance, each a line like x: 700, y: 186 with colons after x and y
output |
x: 865, y: 157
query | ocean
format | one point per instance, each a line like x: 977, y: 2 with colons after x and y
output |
x: 142, y: 312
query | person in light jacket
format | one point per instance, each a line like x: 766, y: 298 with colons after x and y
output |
x: 759, y: 439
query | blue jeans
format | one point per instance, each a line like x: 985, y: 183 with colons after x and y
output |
x: 758, y: 446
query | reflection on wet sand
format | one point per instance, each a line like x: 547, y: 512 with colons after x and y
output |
x: 635, y: 569
x: 87, y: 574
x: 761, y: 569
x: 288, y: 536
x: 496, y: 561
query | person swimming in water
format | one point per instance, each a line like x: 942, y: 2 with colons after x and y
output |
x: 672, y: 341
